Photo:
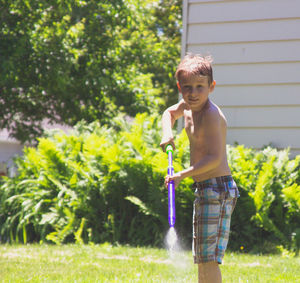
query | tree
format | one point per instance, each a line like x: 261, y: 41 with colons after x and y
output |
x: 66, y: 61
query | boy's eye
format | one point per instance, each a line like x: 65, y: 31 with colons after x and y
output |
x: 199, y: 86
x: 187, y: 87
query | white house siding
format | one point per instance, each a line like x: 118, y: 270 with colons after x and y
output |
x: 256, y: 49
x: 9, y: 148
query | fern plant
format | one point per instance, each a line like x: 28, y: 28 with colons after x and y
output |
x: 268, y: 181
x: 99, y: 184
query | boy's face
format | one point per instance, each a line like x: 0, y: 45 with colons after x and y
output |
x: 195, y: 90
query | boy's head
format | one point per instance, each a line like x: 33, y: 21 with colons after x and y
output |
x: 195, y: 65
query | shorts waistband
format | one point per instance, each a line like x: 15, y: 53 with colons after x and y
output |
x: 213, y: 182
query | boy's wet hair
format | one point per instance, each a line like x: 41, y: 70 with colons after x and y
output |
x: 195, y: 64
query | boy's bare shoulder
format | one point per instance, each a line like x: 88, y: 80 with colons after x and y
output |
x: 214, y: 115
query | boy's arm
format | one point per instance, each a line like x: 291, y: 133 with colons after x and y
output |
x: 169, y: 117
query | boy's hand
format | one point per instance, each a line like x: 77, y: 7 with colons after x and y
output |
x: 176, y: 178
x: 165, y: 142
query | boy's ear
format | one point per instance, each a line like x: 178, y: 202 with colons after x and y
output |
x: 178, y: 85
x: 212, y: 86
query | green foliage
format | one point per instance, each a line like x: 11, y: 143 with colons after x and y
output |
x: 267, y: 214
x: 65, y: 61
x: 96, y: 184
x: 101, y: 184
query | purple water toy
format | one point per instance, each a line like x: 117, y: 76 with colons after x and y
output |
x: 171, y: 188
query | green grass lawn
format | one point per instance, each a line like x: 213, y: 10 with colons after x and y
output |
x: 104, y: 263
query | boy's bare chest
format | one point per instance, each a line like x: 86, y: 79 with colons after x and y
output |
x: 194, y: 127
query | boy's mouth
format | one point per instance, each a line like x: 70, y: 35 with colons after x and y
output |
x: 192, y: 100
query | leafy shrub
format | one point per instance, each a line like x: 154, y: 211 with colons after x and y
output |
x: 267, y: 213
x: 100, y: 184
x: 96, y: 184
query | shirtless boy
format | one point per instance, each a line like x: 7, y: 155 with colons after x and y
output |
x: 215, y: 190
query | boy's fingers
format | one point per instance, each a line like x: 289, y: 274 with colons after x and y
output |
x: 173, y: 145
x: 164, y: 145
x: 168, y: 179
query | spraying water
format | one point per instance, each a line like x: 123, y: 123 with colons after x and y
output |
x: 176, y: 254
x: 172, y: 240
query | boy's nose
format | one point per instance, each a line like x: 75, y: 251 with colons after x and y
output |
x: 194, y: 91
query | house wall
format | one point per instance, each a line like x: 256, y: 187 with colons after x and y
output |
x: 10, y: 147
x: 8, y: 150
x: 256, y: 49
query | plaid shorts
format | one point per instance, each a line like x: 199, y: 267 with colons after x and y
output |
x: 213, y: 206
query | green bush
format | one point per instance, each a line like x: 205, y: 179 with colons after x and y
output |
x: 96, y: 184
x: 100, y: 184
x: 268, y: 211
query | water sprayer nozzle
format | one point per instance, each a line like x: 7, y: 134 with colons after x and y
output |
x: 169, y: 148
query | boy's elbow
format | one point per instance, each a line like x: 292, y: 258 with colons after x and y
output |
x: 169, y: 116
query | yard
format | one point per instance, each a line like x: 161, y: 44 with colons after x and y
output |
x: 106, y: 263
